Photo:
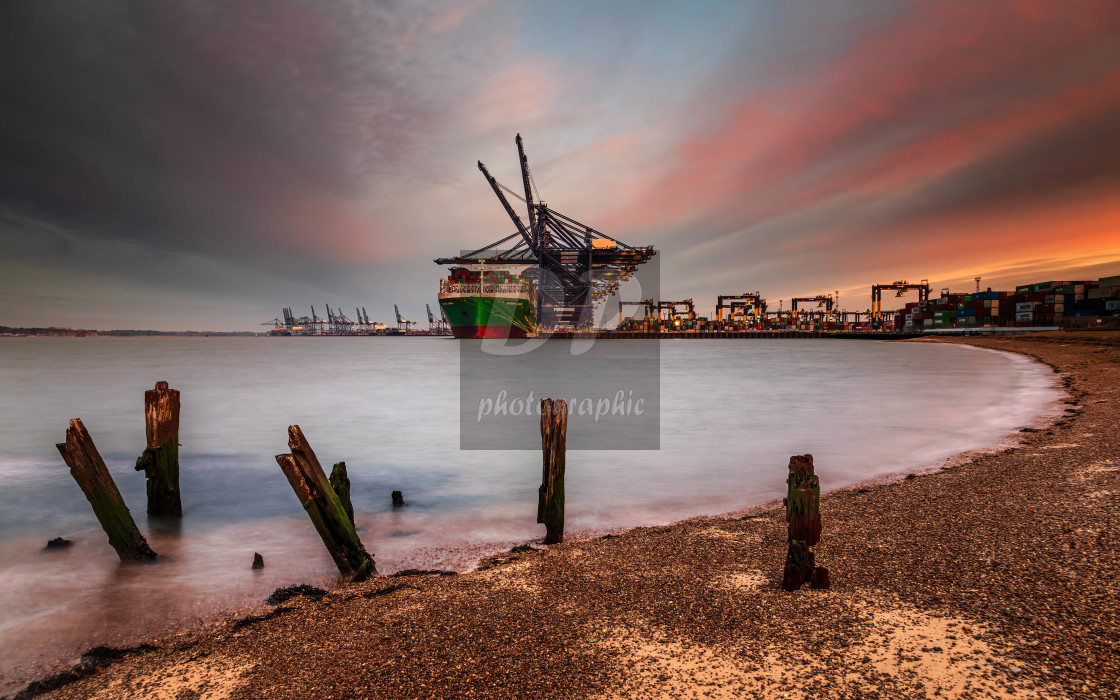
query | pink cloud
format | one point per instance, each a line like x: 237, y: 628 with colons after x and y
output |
x: 934, y: 90
x: 515, y: 96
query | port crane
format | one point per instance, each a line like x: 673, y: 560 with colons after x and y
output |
x: 436, y: 325
x: 344, y: 325
x: 824, y: 300
x: 900, y: 287
x: 673, y: 314
x: 742, y: 302
x: 573, y: 265
x: 337, y: 324
x: 650, y: 308
x: 403, y: 324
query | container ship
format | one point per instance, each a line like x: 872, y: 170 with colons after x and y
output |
x: 488, y: 303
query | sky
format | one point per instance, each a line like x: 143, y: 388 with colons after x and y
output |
x: 198, y: 165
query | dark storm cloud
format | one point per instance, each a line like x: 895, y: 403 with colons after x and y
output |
x: 174, y: 124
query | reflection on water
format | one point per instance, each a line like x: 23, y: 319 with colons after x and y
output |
x: 732, y: 413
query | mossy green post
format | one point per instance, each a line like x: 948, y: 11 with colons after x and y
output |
x: 89, y: 470
x: 340, y: 482
x: 323, y: 506
x: 550, y: 500
x: 803, y: 519
x: 160, y: 459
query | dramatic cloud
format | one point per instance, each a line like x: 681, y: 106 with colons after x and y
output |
x: 907, y: 140
x: 223, y: 158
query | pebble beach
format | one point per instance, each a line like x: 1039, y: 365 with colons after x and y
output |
x: 994, y: 577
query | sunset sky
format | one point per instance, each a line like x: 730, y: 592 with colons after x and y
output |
x: 199, y: 165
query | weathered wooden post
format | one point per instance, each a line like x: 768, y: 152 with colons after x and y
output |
x: 89, y: 470
x: 323, y: 506
x: 340, y: 482
x: 160, y: 459
x: 550, y: 501
x: 803, y: 516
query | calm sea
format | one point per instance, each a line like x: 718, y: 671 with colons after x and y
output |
x: 732, y: 411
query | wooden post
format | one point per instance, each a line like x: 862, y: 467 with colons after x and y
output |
x: 550, y: 501
x: 340, y: 482
x: 326, y: 511
x: 803, y: 517
x: 88, y: 469
x: 160, y: 459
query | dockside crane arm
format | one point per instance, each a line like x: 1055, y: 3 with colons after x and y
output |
x: 527, y: 182
x: 509, y: 209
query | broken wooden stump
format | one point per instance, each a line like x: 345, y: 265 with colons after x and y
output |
x: 550, y: 500
x: 803, y: 518
x: 160, y: 459
x: 323, y: 506
x: 340, y: 482
x: 89, y: 470
x: 819, y: 578
x: 798, y: 565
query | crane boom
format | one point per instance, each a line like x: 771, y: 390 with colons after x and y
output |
x: 528, y: 186
x: 505, y: 203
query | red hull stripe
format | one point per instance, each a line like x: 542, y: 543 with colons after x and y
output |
x: 487, y: 332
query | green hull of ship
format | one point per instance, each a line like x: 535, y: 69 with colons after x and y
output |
x: 489, y: 316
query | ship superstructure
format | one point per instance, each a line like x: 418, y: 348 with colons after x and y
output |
x: 571, y: 265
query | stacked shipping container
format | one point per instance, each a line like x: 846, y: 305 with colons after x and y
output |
x: 1039, y: 304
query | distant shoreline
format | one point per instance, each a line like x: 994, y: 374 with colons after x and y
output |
x: 13, y: 332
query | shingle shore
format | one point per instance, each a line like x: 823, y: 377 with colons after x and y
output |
x: 995, y: 578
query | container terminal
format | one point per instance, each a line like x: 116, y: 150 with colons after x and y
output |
x: 1041, y: 305
x: 1037, y: 306
x: 551, y: 275
x: 337, y: 323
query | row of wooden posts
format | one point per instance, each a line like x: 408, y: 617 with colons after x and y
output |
x: 327, y: 500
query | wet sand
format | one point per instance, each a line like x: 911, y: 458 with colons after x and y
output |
x: 997, y: 577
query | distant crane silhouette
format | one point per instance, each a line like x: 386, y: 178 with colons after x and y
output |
x: 436, y: 325
x: 403, y: 324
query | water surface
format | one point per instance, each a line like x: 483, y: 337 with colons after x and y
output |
x: 732, y: 411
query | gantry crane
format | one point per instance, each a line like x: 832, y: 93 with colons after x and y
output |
x: 403, y: 324
x: 337, y: 324
x: 315, y: 323
x: 650, y: 308
x: 901, y: 287
x: 573, y: 265
x: 824, y: 300
x: 673, y: 314
x: 436, y: 325
x: 743, y: 301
